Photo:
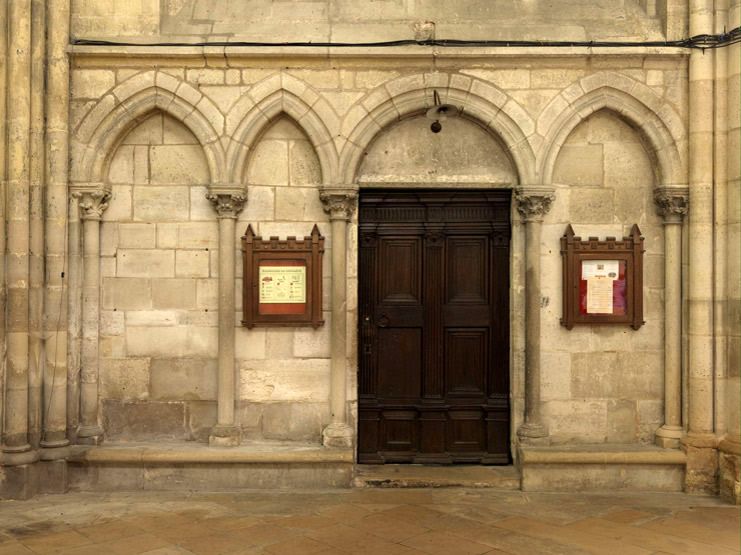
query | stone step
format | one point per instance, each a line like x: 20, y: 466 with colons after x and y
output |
x: 436, y: 476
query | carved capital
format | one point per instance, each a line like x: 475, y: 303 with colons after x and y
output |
x: 92, y: 203
x: 339, y: 203
x: 227, y: 205
x: 534, y: 202
x: 672, y: 203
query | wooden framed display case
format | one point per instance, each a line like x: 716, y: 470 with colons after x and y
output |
x: 602, y: 280
x: 282, y: 280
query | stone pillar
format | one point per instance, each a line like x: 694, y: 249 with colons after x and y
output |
x: 226, y: 432
x: 4, y: 185
x: 533, y: 203
x: 700, y: 442
x: 57, y: 151
x: 92, y: 205
x: 74, y: 311
x: 15, y: 433
x: 672, y: 205
x: 340, y: 205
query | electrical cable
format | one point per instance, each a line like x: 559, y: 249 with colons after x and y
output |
x: 702, y: 42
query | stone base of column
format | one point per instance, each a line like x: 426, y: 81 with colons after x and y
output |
x: 669, y: 437
x: 18, y: 482
x: 701, y: 474
x: 53, y: 476
x: 90, y: 435
x: 533, y: 433
x: 729, y: 470
x: 338, y: 434
x: 225, y: 435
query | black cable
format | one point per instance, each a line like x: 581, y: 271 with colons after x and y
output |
x: 701, y: 42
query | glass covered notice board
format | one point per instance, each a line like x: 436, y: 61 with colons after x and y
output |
x: 602, y: 280
x: 282, y: 280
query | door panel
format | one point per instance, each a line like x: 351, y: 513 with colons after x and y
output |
x: 434, y: 327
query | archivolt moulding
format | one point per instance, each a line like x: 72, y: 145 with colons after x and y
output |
x: 658, y: 123
x: 412, y: 95
x: 275, y: 96
x: 130, y: 103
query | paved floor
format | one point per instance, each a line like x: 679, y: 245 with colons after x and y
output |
x: 369, y: 521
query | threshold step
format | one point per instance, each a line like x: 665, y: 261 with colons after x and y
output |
x: 429, y: 476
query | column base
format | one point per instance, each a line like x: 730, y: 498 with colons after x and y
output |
x: 338, y: 434
x: 225, y: 435
x: 729, y: 469
x: 533, y: 433
x: 669, y: 437
x: 90, y: 435
x: 701, y: 475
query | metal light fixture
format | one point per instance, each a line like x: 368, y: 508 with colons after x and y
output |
x: 440, y: 112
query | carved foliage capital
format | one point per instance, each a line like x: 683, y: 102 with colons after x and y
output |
x: 227, y: 205
x: 92, y: 203
x: 534, y: 202
x: 672, y: 203
x: 339, y: 203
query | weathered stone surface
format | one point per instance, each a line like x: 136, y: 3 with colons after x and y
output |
x: 183, y: 379
x: 143, y: 420
x: 294, y: 421
x: 124, y: 379
x: 173, y: 293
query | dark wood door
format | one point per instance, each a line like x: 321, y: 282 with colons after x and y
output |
x: 434, y: 327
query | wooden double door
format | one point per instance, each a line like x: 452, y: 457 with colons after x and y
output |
x: 434, y: 327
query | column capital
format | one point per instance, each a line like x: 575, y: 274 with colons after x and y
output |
x: 339, y: 203
x: 672, y: 203
x: 228, y: 204
x: 92, y: 203
x: 534, y: 202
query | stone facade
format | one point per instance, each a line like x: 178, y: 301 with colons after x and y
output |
x: 174, y: 150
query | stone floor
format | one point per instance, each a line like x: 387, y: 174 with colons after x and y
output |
x: 447, y: 521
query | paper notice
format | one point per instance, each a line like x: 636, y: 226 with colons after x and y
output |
x: 599, y: 295
x: 282, y: 284
x: 600, y: 268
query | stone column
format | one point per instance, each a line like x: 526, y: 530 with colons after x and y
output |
x: 533, y: 203
x: 4, y: 185
x: 700, y: 442
x: 226, y: 433
x: 92, y: 205
x: 55, y: 308
x: 340, y: 205
x: 672, y: 205
x: 74, y: 312
x: 15, y: 433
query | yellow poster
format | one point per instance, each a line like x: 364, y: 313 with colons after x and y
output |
x: 282, y: 284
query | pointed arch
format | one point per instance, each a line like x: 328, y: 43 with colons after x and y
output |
x: 412, y: 95
x: 278, y: 95
x: 659, y: 125
x: 129, y: 104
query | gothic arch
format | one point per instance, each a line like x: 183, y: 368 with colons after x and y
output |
x: 275, y: 96
x: 130, y: 103
x: 658, y: 123
x: 412, y: 95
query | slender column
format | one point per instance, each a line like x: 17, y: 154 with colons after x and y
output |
x: 340, y: 205
x: 92, y: 206
x: 3, y: 184
x: 701, y: 442
x: 15, y: 435
x: 533, y: 203
x: 74, y: 309
x: 36, y: 261
x: 672, y: 205
x: 226, y: 433
x: 55, y: 313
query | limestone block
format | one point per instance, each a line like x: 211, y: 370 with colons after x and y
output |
x: 311, y: 343
x: 367, y: 80
x: 201, y: 417
x: 121, y: 168
x: 200, y: 207
x: 628, y: 165
x: 555, y: 378
x: 284, y: 380
x: 175, y: 133
x: 146, y: 263
x: 157, y: 342
x: 178, y: 164
x: 249, y: 344
x: 183, y: 379
x: 279, y: 343
x: 294, y: 421
x: 653, y: 270
x: 112, y: 347
x: 127, y: 293
x: 259, y: 206
x: 151, y: 318
x: 199, y: 318
x: 290, y: 203
x: 621, y: 421
x: 534, y: 101
x: 173, y: 293
x: 642, y: 375
x: 579, y: 164
x: 304, y: 166
x: 124, y: 378
x: 143, y: 420
x: 141, y: 165
x: 576, y: 421
x: 650, y: 418
x: 198, y: 235
x: 108, y: 239
x: 167, y: 236
x: 121, y: 204
x: 205, y: 76
x: 203, y: 341
x: 148, y: 132
x: 595, y: 375
x: 136, y: 236
x: 269, y: 163
x: 92, y: 83
x: 320, y: 79
x: 592, y: 205
x: 112, y: 322
x: 156, y: 204
x: 253, y: 75
x: 207, y: 293
x: 192, y: 263
x: 223, y: 97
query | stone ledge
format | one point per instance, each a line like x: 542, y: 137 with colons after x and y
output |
x: 180, y: 453
x: 602, y: 454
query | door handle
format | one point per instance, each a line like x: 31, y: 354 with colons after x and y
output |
x: 383, y: 321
